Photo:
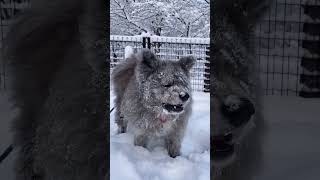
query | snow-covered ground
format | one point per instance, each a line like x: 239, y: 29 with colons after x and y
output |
x: 137, y: 163
x: 291, y: 148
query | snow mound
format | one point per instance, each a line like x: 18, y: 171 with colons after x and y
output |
x: 128, y: 51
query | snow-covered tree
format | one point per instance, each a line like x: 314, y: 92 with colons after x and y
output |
x: 182, y: 18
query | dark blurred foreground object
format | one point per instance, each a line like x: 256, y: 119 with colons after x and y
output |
x: 236, y: 126
x: 58, y: 76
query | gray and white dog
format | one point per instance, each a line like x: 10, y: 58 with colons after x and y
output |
x: 153, y: 99
x: 237, y: 133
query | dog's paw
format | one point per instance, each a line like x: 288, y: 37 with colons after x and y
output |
x: 121, y: 130
x: 140, y: 141
x: 173, y: 149
x: 174, y: 153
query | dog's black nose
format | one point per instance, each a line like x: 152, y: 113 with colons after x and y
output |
x: 184, y: 96
x: 238, y: 114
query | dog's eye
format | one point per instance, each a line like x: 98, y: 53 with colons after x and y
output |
x: 168, y: 85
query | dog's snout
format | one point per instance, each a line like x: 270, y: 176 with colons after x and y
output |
x: 239, y: 111
x: 184, y: 96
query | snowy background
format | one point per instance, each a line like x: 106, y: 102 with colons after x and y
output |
x: 174, y: 29
x: 187, y: 18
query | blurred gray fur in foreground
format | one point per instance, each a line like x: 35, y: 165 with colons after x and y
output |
x: 57, y: 66
x: 237, y: 126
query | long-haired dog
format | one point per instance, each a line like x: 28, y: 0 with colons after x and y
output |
x: 58, y: 76
x: 153, y: 99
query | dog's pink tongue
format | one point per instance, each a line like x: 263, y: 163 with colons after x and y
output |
x: 163, y: 118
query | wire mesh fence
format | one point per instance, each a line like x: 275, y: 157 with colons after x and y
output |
x: 8, y: 10
x: 168, y: 48
x: 118, y: 44
x: 288, y: 45
x: 289, y: 48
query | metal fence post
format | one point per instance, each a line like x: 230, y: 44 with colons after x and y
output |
x: 206, y: 81
x: 146, y: 42
x: 311, y: 78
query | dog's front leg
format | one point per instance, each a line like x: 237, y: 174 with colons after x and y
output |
x: 140, y: 140
x: 122, y: 124
x: 174, y: 138
x: 173, y: 144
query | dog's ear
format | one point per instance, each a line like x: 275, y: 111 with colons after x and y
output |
x: 187, y: 62
x: 148, y: 59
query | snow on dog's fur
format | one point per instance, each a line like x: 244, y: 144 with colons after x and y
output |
x: 237, y: 125
x: 153, y: 99
x: 57, y: 71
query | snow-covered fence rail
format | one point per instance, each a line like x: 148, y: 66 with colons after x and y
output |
x: 118, y: 44
x: 168, y: 48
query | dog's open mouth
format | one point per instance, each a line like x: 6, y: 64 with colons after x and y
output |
x: 173, y: 108
x: 222, y: 147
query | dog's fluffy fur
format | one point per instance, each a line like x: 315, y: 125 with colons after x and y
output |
x: 59, y: 78
x: 146, y: 88
x: 235, y: 85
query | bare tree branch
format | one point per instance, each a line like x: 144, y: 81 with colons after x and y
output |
x: 162, y: 17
